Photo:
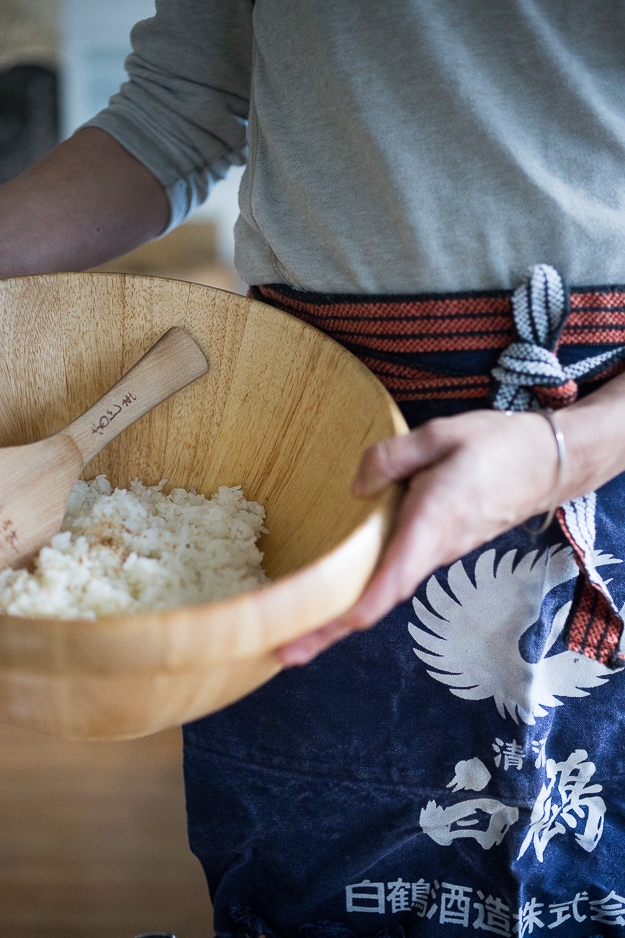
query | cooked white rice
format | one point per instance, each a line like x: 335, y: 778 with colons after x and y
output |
x: 132, y: 551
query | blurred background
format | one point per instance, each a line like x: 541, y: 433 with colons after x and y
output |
x: 60, y: 61
x: 93, y: 835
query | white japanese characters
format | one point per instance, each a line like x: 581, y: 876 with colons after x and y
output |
x: 466, y: 906
x: 485, y: 820
x: 567, y: 802
x: 511, y: 752
x: 471, y: 635
x: 470, y: 775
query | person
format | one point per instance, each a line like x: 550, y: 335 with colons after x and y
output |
x: 422, y: 182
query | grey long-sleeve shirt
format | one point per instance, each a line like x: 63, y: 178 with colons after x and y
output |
x: 395, y: 146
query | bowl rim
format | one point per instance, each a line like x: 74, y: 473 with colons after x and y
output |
x: 380, y: 503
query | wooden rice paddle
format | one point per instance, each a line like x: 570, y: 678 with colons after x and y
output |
x: 36, y: 479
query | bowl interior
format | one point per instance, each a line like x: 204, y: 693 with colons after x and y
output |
x: 283, y: 411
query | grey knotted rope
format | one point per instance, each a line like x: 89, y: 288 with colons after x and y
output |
x: 540, y: 308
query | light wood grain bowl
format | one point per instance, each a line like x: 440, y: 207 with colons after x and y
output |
x: 284, y: 411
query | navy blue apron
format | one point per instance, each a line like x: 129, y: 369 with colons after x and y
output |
x: 459, y: 769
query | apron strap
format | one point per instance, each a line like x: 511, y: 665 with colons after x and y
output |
x: 529, y: 376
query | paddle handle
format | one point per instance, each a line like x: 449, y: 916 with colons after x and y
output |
x: 172, y: 363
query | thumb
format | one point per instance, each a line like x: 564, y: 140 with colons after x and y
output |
x: 399, y: 458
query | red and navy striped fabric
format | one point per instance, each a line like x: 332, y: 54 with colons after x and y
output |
x: 401, y: 338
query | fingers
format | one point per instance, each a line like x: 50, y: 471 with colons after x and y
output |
x: 304, y: 649
x: 399, y: 457
x: 472, y: 477
x: 412, y: 553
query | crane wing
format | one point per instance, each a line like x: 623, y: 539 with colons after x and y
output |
x: 468, y: 632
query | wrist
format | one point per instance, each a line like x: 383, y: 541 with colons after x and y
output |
x: 595, y: 448
x: 558, y: 441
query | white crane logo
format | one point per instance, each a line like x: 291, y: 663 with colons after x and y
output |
x: 470, y: 641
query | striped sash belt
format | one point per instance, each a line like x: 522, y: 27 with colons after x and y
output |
x: 514, y: 350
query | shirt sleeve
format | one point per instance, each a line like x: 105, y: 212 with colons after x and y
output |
x: 183, y: 112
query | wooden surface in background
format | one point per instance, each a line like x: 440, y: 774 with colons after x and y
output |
x: 186, y: 253
x: 93, y: 840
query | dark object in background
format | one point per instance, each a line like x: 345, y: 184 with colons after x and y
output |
x: 28, y: 117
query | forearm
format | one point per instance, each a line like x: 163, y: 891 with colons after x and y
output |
x: 86, y: 202
x: 594, y: 432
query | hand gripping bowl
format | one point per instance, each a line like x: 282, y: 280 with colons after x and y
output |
x: 284, y: 411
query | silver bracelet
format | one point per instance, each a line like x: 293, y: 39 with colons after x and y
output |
x: 547, y: 413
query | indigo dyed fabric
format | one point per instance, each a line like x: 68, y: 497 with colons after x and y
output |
x: 456, y: 770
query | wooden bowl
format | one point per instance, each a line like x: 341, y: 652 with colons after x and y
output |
x: 284, y: 411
